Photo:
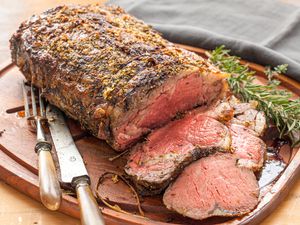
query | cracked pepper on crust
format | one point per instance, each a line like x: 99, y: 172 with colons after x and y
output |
x: 110, y: 71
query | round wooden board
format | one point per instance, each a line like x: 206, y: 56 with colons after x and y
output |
x: 18, y: 163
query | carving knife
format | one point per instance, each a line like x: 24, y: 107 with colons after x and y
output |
x: 72, y: 168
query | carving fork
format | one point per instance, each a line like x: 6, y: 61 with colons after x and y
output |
x: 50, y: 191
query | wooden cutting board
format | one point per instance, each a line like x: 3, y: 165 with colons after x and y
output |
x: 18, y: 164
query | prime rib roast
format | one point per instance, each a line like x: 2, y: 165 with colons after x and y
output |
x: 171, y: 108
x: 110, y: 71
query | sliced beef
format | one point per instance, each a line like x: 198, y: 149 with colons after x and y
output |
x: 213, y: 186
x: 110, y: 71
x: 163, y: 104
x: 249, y: 149
x: 253, y: 119
x: 154, y: 163
x: 233, y: 110
x: 221, y: 110
x: 246, y: 123
x: 240, y: 107
x: 247, y: 115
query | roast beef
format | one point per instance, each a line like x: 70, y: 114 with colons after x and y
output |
x: 249, y: 149
x: 240, y: 107
x: 213, y: 186
x: 246, y: 123
x: 246, y: 114
x: 220, y: 110
x: 111, y: 71
x: 252, y: 119
x: 154, y: 163
x: 232, y: 109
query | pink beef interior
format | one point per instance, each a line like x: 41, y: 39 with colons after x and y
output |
x: 249, y: 148
x: 177, y: 95
x: 213, y: 186
x: 170, y: 146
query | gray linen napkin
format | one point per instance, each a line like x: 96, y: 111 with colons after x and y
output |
x: 263, y: 31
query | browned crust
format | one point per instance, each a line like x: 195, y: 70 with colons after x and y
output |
x: 96, y: 63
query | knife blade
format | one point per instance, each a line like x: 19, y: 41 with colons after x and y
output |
x: 72, y: 167
x: 66, y: 150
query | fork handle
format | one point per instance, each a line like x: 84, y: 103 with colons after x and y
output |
x: 50, y: 191
x: 89, y: 210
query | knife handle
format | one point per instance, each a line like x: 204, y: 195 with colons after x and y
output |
x: 50, y: 191
x: 89, y: 209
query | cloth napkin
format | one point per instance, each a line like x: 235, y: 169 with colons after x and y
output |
x: 266, y: 32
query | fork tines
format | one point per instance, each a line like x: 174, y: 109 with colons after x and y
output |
x: 34, y: 115
x: 25, y: 98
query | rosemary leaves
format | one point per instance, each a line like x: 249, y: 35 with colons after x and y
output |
x: 276, y: 103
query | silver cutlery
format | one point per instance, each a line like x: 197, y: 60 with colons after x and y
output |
x: 50, y: 192
x: 72, y: 167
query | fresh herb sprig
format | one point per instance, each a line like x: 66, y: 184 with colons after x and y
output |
x: 276, y: 103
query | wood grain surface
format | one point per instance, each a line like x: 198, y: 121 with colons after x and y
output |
x: 16, y: 208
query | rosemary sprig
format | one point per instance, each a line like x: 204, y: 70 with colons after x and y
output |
x: 276, y: 103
